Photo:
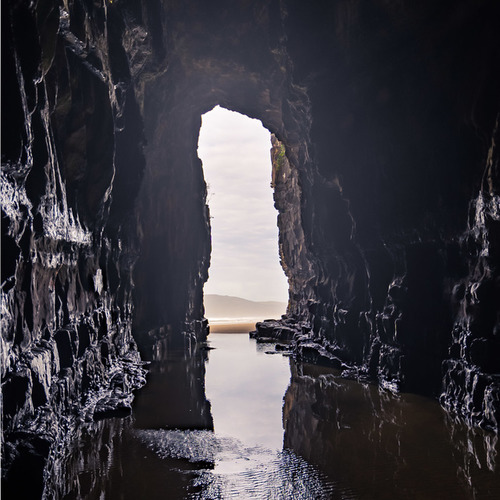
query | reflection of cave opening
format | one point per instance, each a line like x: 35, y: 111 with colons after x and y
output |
x: 235, y: 151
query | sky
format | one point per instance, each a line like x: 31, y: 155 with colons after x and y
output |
x: 235, y: 151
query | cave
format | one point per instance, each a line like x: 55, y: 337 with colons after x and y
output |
x: 385, y: 126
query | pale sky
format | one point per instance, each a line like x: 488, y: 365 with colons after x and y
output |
x: 235, y: 151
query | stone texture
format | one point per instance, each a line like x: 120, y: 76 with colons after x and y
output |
x: 66, y: 258
x: 396, y: 206
x: 385, y: 170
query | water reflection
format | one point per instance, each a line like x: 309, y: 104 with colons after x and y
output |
x: 118, y: 465
x: 476, y: 454
x: 169, y: 447
x: 174, y: 397
x: 115, y: 458
x: 246, y: 387
x: 380, y: 446
x: 341, y: 439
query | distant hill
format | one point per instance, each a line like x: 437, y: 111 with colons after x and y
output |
x: 225, y: 306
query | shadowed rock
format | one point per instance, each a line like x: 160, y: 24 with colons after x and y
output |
x: 385, y: 171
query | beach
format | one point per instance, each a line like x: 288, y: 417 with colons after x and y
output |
x: 231, y: 326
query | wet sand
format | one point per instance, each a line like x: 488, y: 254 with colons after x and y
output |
x: 235, y: 327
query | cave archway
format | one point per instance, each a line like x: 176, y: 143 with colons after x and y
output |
x: 172, y: 215
x: 244, y: 263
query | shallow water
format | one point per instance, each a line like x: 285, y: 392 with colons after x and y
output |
x: 271, y: 428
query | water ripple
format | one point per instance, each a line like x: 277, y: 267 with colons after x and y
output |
x: 238, y: 471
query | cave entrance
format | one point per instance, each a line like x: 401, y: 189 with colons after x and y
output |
x: 246, y: 281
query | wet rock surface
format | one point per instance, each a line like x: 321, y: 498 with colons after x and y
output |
x: 388, y: 223
x: 392, y: 222
x: 67, y: 350
x: 385, y: 170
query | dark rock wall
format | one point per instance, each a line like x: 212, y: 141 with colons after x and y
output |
x: 218, y: 53
x: 400, y: 223
x: 385, y: 173
x: 71, y: 158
